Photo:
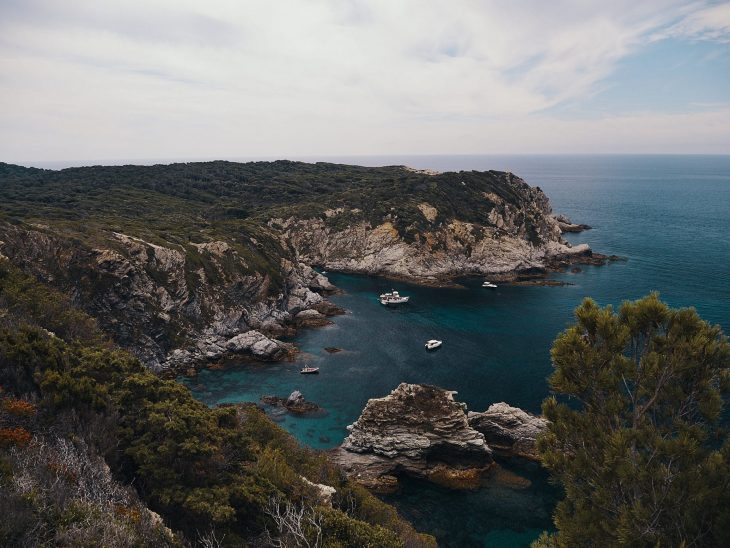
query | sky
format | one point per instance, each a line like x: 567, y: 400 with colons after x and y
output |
x: 94, y: 80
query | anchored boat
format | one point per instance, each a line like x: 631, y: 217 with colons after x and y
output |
x: 393, y: 298
x: 433, y: 344
x: 309, y: 370
x: 489, y: 284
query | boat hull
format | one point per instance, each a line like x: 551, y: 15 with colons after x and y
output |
x: 387, y: 302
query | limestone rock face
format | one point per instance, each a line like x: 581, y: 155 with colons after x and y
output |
x: 509, y: 429
x: 418, y: 430
x: 516, y: 236
x: 257, y: 345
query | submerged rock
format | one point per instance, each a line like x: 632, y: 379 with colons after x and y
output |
x: 509, y: 429
x: 417, y: 430
x: 295, y: 404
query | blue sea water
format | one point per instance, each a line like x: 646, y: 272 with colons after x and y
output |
x: 668, y: 215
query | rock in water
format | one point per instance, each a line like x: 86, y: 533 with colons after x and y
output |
x: 566, y: 225
x: 295, y: 404
x: 417, y: 430
x: 294, y: 397
x: 509, y: 429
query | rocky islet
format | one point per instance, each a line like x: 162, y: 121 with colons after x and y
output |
x: 423, y: 432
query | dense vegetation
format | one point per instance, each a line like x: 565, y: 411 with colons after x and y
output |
x: 639, y: 445
x: 185, y: 202
x: 71, y: 404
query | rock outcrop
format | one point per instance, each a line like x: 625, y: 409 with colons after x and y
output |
x: 566, y: 225
x: 509, y: 430
x: 417, y: 430
x: 295, y: 404
x: 324, y: 493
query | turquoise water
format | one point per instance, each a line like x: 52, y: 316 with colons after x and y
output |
x: 668, y: 215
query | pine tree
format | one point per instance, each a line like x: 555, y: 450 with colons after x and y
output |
x: 635, y: 433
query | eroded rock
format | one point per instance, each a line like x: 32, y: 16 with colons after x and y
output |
x: 519, y: 234
x: 417, y: 430
x: 509, y: 429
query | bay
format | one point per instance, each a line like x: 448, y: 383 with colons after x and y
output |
x: 668, y: 215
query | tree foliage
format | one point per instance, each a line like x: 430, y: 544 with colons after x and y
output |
x: 635, y: 433
x: 210, y: 473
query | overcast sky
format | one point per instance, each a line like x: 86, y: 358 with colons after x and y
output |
x: 104, y: 79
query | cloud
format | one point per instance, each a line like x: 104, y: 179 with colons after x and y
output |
x: 709, y: 23
x: 175, y: 78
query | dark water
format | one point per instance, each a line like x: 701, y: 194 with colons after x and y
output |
x: 669, y: 215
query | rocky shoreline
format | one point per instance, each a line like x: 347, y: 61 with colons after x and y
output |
x: 517, y: 233
x: 185, y: 301
x: 175, y: 316
x: 142, y: 293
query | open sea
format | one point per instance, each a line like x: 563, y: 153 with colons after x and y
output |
x: 668, y: 215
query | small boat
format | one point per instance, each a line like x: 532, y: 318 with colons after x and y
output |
x: 433, y: 344
x: 393, y: 297
x: 309, y: 370
x: 489, y: 284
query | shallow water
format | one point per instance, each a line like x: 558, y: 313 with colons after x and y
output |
x: 668, y: 215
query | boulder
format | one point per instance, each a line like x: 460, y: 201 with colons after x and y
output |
x: 310, y: 318
x: 257, y: 345
x: 509, y: 429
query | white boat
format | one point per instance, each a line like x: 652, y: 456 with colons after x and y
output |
x: 393, y: 298
x: 309, y: 370
x: 489, y: 284
x: 433, y: 344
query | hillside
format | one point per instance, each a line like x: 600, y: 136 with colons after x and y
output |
x: 95, y: 450
x: 177, y: 261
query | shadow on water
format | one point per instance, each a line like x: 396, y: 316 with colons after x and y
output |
x: 510, y: 510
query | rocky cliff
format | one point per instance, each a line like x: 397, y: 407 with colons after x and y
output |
x: 174, y: 306
x: 506, y: 229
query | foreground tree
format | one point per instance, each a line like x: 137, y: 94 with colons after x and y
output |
x: 635, y: 437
